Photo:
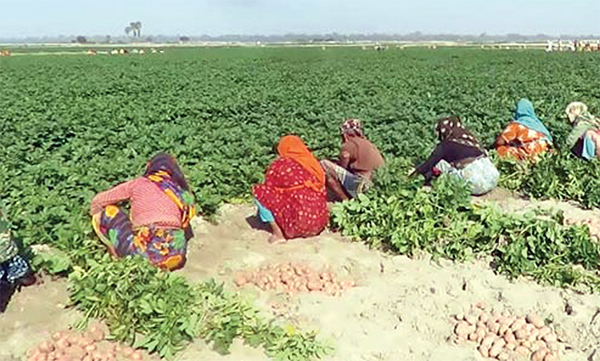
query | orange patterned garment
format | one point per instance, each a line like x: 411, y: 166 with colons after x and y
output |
x: 521, y: 142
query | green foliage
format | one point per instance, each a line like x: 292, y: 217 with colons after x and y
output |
x: 558, y: 175
x: 74, y: 126
x: 161, y: 312
x: 406, y: 218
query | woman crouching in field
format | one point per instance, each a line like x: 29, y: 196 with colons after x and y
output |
x: 459, y: 153
x: 526, y: 137
x: 292, y: 200
x: 584, y: 139
x: 14, y: 269
x: 158, y: 227
x: 352, y: 174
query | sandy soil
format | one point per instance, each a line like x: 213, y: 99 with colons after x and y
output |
x: 400, y: 310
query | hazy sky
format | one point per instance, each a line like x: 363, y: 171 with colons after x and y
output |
x: 20, y: 18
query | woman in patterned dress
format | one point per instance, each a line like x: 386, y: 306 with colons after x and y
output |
x: 526, y: 137
x: 293, y: 200
x: 158, y: 226
x: 460, y: 154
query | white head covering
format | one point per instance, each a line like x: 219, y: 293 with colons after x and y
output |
x: 576, y: 109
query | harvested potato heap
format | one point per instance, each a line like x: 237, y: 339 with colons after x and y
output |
x: 88, y: 346
x: 507, y: 337
x: 294, y: 278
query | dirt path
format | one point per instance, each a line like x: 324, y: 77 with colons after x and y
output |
x: 400, y: 310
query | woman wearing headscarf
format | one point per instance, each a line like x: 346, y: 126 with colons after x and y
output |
x: 460, y: 154
x: 292, y: 200
x: 359, y: 158
x: 14, y: 269
x: 526, y: 137
x: 584, y: 139
x: 158, y: 225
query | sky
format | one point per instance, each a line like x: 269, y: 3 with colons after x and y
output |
x: 36, y: 18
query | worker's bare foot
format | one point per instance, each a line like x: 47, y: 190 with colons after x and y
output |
x: 275, y: 239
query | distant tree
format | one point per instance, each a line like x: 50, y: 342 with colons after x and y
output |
x: 107, y: 40
x: 136, y: 27
x: 128, y: 29
x: 184, y: 38
x: 81, y: 39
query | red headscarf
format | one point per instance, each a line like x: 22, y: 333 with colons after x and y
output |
x: 293, y: 147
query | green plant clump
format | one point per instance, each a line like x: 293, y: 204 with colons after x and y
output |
x: 558, y: 175
x: 405, y: 217
x: 161, y: 312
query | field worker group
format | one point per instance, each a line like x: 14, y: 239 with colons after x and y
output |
x: 293, y: 199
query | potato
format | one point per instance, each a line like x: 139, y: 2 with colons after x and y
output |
x: 137, y: 356
x: 484, y: 317
x: 75, y: 352
x: 503, y: 356
x: 495, y: 329
x: 504, y: 328
x: 539, y: 355
x: 315, y: 285
x: 58, y: 335
x: 509, y: 337
x: 459, y: 317
x: 462, y: 329
x: 522, y: 350
x: 495, y: 351
x: 538, y: 345
x: 90, y: 348
x: 543, y: 331
x: 551, y: 356
x: 517, y: 324
x: 62, y: 344
x: 127, y: 351
x: 480, y: 305
x: 535, y: 320
x: 471, y: 319
x: 549, y: 337
x: 32, y: 354
x: 499, y: 343
x: 521, y: 334
x: 488, y: 341
x: 481, y: 333
x: 241, y: 280
x: 526, y: 343
x: 490, y: 324
x: 484, y: 351
x: 46, y: 347
x: 511, y: 346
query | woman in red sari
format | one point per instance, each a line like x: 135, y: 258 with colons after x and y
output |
x: 293, y: 199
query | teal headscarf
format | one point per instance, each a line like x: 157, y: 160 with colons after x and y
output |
x: 525, y: 115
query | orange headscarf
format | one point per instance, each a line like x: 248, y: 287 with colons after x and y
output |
x: 293, y: 147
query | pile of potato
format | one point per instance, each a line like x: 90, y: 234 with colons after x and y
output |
x: 294, y: 278
x: 88, y: 346
x: 507, y: 337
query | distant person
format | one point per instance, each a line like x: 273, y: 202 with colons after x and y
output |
x: 14, y: 269
x: 158, y: 226
x: 292, y: 199
x: 460, y: 154
x: 526, y: 137
x: 584, y: 139
x: 352, y: 174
